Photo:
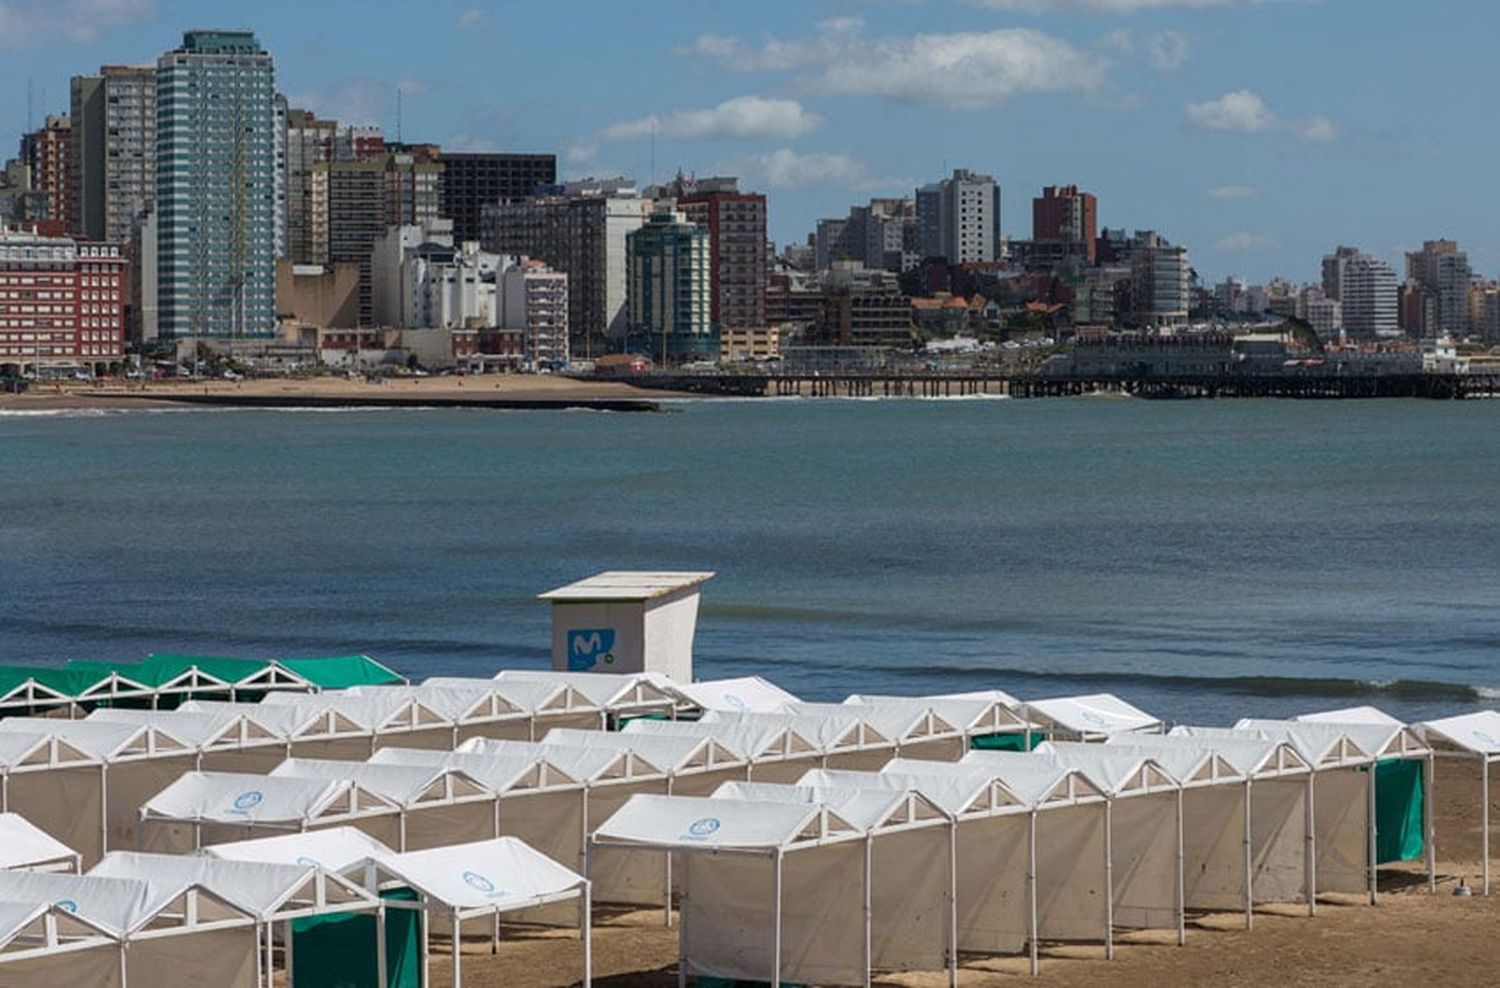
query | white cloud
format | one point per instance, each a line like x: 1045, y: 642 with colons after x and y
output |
x: 1241, y: 112
x: 471, y: 17
x: 1319, y: 129
x: 1168, y: 50
x: 581, y: 153
x: 744, y: 117
x: 1246, y: 241
x: 785, y: 168
x: 967, y: 69
x: 1231, y: 192
x: 1097, y: 6
x: 27, y: 22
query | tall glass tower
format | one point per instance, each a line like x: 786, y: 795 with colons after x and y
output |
x: 216, y: 187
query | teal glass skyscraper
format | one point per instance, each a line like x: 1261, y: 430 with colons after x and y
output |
x: 216, y: 187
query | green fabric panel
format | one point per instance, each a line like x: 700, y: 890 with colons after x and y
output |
x: 1398, y: 810
x: 68, y: 682
x: 101, y: 671
x: 230, y: 670
x: 339, y: 951
x: 342, y: 671
x: 13, y: 677
x: 1017, y: 741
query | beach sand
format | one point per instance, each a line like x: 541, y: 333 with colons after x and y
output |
x: 1410, y: 938
x: 519, y: 387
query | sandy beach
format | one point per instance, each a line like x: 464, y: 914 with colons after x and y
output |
x: 1411, y: 937
x: 517, y: 387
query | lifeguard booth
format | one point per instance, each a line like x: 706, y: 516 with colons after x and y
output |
x: 624, y: 621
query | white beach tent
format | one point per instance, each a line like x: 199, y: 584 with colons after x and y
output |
x: 224, y: 739
x: 1246, y: 842
x: 57, y: 786
x: 771, y: 889
x: 165, y: 935
x: 621, y: 696
x: 481, y: 881
x: 693, y: 766
x: 1399, y: 820
x: 215, y: 807
x: 438, y: 804
x: 774, y: 749
x: 980, y: 719
x: 1012, y: 815
x: 915, y: 729
x: 1337, y: 799
x: 744, y: 693
x: 386, y: 716
x: 908, y: 869
x: 24, y: 845
x: 1093, y: 717
x: 320, y: 731
x: 1476, y: 736
x: 43, y: 945
x: 138, y: 760
x: 270, y: 892
x: 548, y: 704
x: 478, y: 707
x: 336, y: 849
x: 840, y: 738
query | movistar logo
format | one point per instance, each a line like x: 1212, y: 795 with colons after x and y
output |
x: 247, y: 801
x: 589, y: 648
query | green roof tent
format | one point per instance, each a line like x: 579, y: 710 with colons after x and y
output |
x: 20, y: 690
x: 233, y: 673
x: 342, y: 671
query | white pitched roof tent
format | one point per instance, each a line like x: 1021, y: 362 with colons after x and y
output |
x: 260, y: 800
x: 1251, y: 757
x: 751, y: 738
x: 1477, y: 733
x: 268, y: 891
x: 105, y: 741
x: 498, y: 875
x: 1089, y: 717
x: 1351, y: 715
x: 746, y: 693
x: 629, y: 693
x: 201, y: 730
x: 288, y: 722
x: 22, y: 845
x: 335, y: 849
x: 591, y: 765
x: 1377, y: 738
x: 376, y: 711
x: 724, y: 824
x: 404, y: 785
x: 673, y: 755
x: 974, y: 714
x: 959, y: 794
x: 121, y: 907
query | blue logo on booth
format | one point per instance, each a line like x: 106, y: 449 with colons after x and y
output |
x: 589, y: 648
x: 247, y: 801
x: 702, y: 828
x: 479, y: 883
x: 67, y: 905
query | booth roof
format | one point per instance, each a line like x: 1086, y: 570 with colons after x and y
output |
x: 403, y: 785
x: 118, y: 906
x: 964, y: 713
x: 234, y: 797
x: 342, y: 671
x: 257, y: 888
x: 22, y: 845
x: 1035, y: 781
x: 286, y: 721
x: 534, y: 695
x: 727, y: 824
x: 605, y: 690
x: 1478, y: 732
x: 865, y: 808
x: 453, y: 704
x: 573, y: 763
x: 372, y: 709
x: 196, y: 729
x: 1122, y: 771
x: 1318, y: 744
x: 895, y: 722
x: 105, y: 741
x: 165, y: 666
x: 745, y: 738
x: 501, y: 874
x: 1097, y: 713
x: 498, y: 771
x: 20, y: 917
x: 957, y: 793
x: 1248, y: 756
x: 334, y: 849
x: 991, y: 696
x: 743, y: 693
x: 1350, y: 715
x: 1376, y: 739
x: 824, y: 728
x: 671, y: 754
x: 19, y: 749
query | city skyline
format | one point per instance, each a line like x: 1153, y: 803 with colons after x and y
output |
x: 1259, y: 134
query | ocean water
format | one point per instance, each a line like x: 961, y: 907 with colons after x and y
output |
x: 1206, y: 560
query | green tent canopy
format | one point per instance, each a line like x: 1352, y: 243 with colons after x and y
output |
x: 166, y: 666
x: 342, y: 671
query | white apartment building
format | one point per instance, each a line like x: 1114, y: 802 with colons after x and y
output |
x: 534, y: 299
x: 959, y: 218
x: 421, y: 280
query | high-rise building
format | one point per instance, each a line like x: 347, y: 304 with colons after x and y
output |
x: 670, y: 292
x: 48, y: 153
x: 736, y: 225
x: 579, y: 229
x: 311, y: 142
x: 1443, y: 270
x: 535, y: 300
x: 472, y: 181
x: 1368, y: 295
x: 114, y: 150
x: 1160, y: 281
x: 61, y: 302
x: 959, y: 218
x: 1333, y: 271
x: 1063, y: 215
x: 216, y: 186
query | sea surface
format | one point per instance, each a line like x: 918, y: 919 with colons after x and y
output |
x: 1205, y: 560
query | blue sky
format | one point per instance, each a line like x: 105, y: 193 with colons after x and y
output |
x: 1259, y: 132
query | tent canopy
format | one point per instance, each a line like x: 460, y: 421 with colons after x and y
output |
x: 1374, y: 738
x: 334, y: 849
x: 960, y: 794
x: 1320, y: 745
x: 403, y: 785
x: 1477, y: 733
x: 673, y: 755
x: 1121, y: 771
x: 866, y: 808
x: 497, y: 875
x: 342, y: 671
x: 261, y: 889
x: 694, y: 822
x: 539, y: 696
x: 119, y: 906
x: 589, y: 765
x: 751, y: 693
x: 22, y: 845
x: 1249, y: 757
x: 1096, y: 715
x: 619, y: 694
x: 749, y: 738
x: 827, y: 729
x: 24, y: 750
x: 974, y: 714
x: 501, y: 771
x: 244, y: 799
x: 1037, y: 782
x: 374, y: 710
x: 290, y: 722
x: 200, y: 730
x: 1350, y: 715
x: 102, y: 740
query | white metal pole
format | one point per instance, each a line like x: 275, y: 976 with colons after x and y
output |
x: 687, y: 871
x: 1181, y: 878
x: 1429, y: 825
x: 588, y: 935
x: 288, y: 955
x: 425, y: 918
x: 1032, y: 930
x: 953, y: 904
x: 776, y: 921
x: 1249, y: 860
x: 259, y: 959
x: 867, y: 947
x: 1310, y: 847
x: 124, y: 979
x: 1484, y: 818
x: 380, y: 969
x: 458, y: 949
x: 1373, y: 850
x: 1109, y: 879
x: 271, y: 956
x: 104, y: 808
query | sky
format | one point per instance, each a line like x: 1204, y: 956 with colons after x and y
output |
x: 1260, y: 133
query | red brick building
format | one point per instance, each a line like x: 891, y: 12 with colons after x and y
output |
x: 736, y: 225
x: 1063, y: 215
x: 49, y: 154
x: 62, y: 303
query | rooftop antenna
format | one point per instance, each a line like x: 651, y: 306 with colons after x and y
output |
x: 30, y: 104
x: 398, y: 113
x: 653, y: 150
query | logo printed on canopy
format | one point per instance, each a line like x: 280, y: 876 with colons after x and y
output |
x: 67, y: 905
x: 307, y: 862
x: 480, y: 884
x: 700, y: 830
x: 247, y: 801
x: 1094, y: 718
x: 589, y: 648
